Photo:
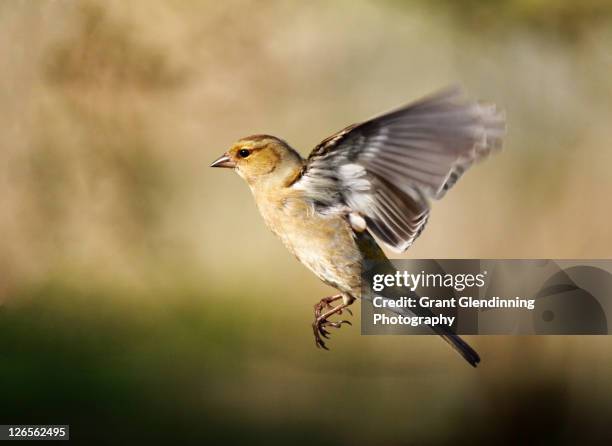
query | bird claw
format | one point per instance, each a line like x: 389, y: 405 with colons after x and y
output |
x: 325, y: 304
x: 321, y: 321
x: 348, y: 310
x: 320, y: 343
x: 324, y: 332
x: 337, y: 324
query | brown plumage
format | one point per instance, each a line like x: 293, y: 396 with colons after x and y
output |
x: 372, y: 180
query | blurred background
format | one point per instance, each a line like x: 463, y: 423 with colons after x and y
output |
x: 141, y: 295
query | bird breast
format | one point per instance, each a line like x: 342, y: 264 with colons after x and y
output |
x: 325, y: 243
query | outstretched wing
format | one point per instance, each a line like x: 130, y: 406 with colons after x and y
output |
x: 387, y: 168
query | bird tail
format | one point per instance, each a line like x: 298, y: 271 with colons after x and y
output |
x: 462, y: 347
x: 446, y: 333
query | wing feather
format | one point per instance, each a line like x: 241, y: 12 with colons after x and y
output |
x: 389, y: 167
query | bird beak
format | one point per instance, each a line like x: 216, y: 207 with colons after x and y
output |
x: 223, y: 161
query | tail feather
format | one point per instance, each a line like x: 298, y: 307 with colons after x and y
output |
x: 462, y: 347
x: 446, y: 333
x: 454, y: 340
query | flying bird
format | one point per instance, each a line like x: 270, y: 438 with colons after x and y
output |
x: 367, y: 186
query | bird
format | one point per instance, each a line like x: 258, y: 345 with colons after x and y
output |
x: 366, y: 187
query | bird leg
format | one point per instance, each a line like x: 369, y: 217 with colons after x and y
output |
x: 321, y: 317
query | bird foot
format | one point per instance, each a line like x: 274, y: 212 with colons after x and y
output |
x: 326, y: 303
x: 321, y: 321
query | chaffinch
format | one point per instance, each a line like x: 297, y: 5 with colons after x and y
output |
x: 370, y: 183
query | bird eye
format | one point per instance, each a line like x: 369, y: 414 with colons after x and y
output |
x: 243, y: 153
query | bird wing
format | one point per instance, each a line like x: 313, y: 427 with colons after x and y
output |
x: 387, y: 168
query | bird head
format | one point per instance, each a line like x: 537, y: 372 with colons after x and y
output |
x: 262, y: 159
